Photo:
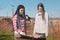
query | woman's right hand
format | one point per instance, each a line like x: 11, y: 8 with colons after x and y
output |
x: 36, y: 36
x: 16, y: 32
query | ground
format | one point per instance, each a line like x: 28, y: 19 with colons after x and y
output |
x: 6, y: 32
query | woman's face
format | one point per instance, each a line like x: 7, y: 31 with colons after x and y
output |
x: 21, y: 11
x: 40, y: 9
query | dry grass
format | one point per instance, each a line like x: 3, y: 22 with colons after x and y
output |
x: 5, y: 29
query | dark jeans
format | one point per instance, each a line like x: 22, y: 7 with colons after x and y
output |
x: 31, y: 38
x: 37, y: 39
x: 41, y: 38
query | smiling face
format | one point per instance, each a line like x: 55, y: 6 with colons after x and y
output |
x: 40, y: 9
x: 21, y: 11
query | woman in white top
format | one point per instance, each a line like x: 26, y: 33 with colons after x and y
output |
x: 41, y: 22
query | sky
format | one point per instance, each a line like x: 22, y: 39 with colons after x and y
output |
x: 51, y: 6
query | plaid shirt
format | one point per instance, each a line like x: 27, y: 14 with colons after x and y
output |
x: 15, y: 24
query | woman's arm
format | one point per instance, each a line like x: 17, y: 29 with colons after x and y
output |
x: 46, y: 19
x: 14, y: 21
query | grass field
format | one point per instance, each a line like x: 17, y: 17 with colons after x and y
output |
x: 7, y: 34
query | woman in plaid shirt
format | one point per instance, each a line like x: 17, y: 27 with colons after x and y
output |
x: 19, y: 22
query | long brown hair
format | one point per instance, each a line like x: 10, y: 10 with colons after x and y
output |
x: 41, y: 5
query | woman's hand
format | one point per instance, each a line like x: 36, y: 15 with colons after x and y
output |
x: 37, y: 36
x: 16, y: 32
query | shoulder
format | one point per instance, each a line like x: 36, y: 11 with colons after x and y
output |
x: 46, y: 13
x: 36, y: 14
x: 14, y: 17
